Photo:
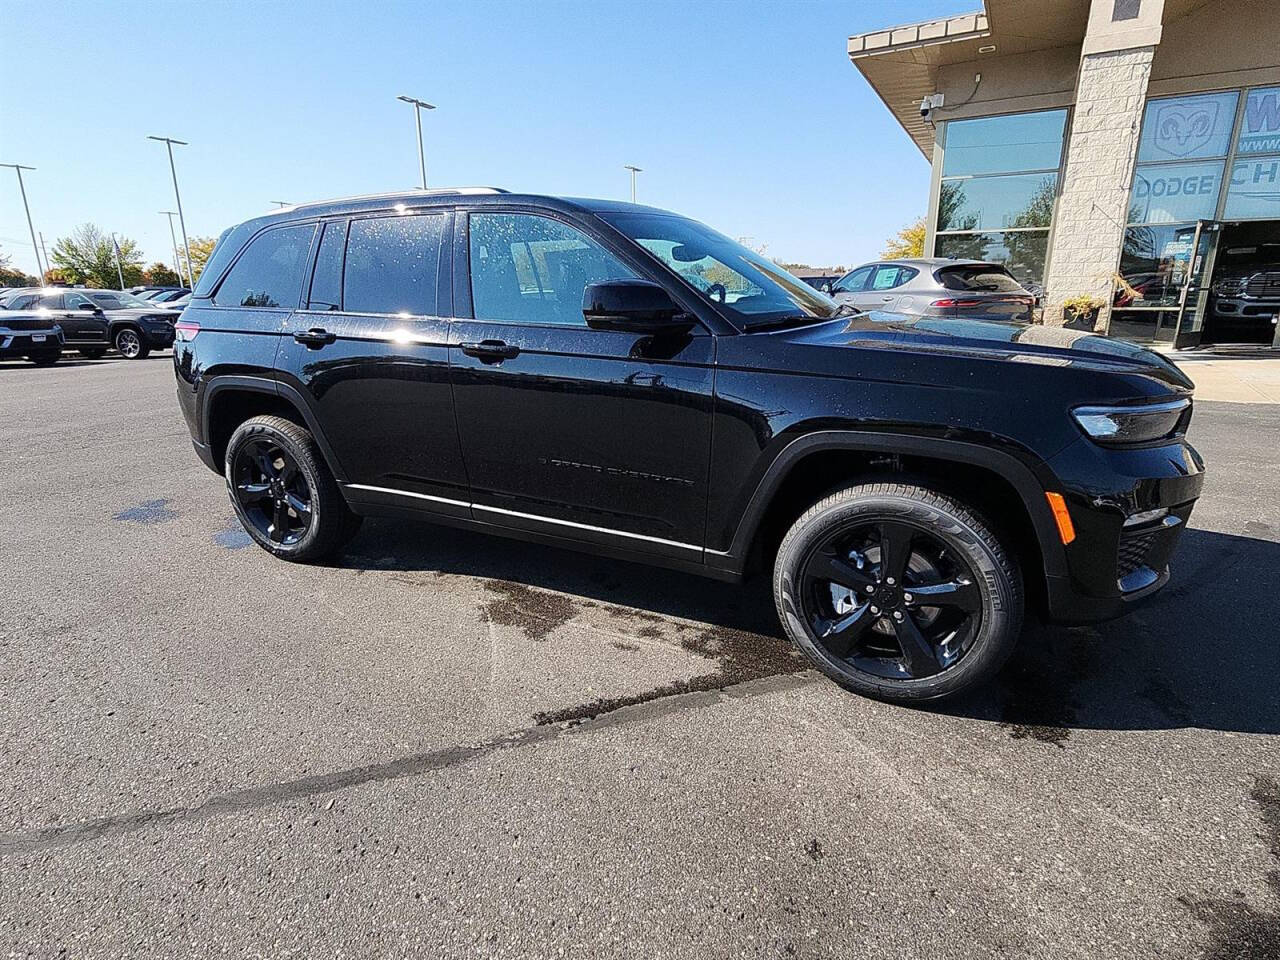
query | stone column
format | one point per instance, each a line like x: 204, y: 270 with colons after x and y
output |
x: 1093, y: 204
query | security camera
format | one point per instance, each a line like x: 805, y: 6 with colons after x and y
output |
x: 927, y: 105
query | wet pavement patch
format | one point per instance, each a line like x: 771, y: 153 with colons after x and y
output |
x: 536, y: 612
x: 150, y: 511
x: 740, y: 655
x: 1237, y: 929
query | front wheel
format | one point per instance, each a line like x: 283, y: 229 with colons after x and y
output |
x: 128, y: 343
x: 898, y: 592
x: 284, y: 493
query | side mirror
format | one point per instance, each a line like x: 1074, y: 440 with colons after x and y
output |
x: 88, y: 306
x: 826, y: 288
x: 633, y: 306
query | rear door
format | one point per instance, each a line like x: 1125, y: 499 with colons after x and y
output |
x: 368, y: 350
x: 882, y: 289
x: 594, y: 435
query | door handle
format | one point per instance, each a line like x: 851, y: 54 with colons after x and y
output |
x: 886, y: 299
x: 490, y: 351
x: 315, y: 337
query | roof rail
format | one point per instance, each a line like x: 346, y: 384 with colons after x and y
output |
x: 430, y: 192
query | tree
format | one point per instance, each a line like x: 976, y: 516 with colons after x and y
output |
x: 11, y: 276
x: 201, y: 249
x: 88, y: 256
x: 909, y: 242
x: 161, y: 275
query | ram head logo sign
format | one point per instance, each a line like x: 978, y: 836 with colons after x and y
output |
x: 1183, y: 128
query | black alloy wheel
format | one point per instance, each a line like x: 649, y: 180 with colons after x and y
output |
x: 271, y: 491
x: 890, y: 599
x: 899, y: 592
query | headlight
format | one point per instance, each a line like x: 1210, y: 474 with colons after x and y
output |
x: 1135, y: 424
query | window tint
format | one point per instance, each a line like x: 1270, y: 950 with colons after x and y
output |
x: 533, y: 269
x: 269, y: 272
x: 981, y: 278
x: 391, y: 265
x: 853, y: 282
x: 326, y: 284
x: 24, y: 302
x: 73, y: 301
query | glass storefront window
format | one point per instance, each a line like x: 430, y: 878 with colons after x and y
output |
x: 1022, y: 252
x: 1022, y: 141
x: 1260, y: 127
x: 983, y: 203
x: 1170, y: 192
x: 1153, y: 265
x: 1254, y: 192
x: 1187, y: 128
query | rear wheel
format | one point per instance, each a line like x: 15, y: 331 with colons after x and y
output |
x: 284, y: 493
x: 898, y: 592
x: 128, y: 343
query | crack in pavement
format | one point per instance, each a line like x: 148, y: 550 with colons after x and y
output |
x: 36, y: 841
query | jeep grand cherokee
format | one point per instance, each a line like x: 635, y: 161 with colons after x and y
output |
x: 626, y: 381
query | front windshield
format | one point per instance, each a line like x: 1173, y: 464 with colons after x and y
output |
x: 118, y: 300
x: 752, y: 289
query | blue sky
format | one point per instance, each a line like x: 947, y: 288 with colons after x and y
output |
x: 747, y: 115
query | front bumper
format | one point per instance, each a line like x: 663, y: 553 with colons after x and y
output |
x: 21, y: 343
x: 1111, y: 565
x: 157, y: 334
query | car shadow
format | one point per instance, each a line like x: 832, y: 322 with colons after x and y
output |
x: 1201, y: 653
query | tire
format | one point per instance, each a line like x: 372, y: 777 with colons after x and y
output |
x: 278, y: 445
x: 129, y: 344
x: 92, y: 353
x: 45, y: 359
x: 952, y: 556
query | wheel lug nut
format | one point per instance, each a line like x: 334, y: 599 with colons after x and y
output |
x: 907, y: 597
x: 871, y: 589
x: 890, y: 581
x: 897, y: 614
x: 875, y: 609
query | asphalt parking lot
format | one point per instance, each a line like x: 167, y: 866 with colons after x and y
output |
x: 449, y: 745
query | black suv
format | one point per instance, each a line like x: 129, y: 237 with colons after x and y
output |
x: 94, y: 320
x: 626, y: 381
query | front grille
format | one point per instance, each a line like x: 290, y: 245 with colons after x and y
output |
x: 1263, y: 285
x: 1133, y: 552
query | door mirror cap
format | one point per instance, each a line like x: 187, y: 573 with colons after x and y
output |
x: 88, y: 306
x: 633, y: 306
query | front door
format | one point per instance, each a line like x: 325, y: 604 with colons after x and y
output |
x: 81, y: 320
x: 568, y: 431
x: 1193, y: 300
x: 369, y: 352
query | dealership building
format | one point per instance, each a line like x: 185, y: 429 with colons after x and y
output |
x: 1126, y: 151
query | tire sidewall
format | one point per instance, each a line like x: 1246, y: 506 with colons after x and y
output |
x: 142, y: 347
x: 1001, y: 613
x: 319, y: 508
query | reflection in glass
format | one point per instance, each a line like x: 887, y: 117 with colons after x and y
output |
x: 1153, y: 265
x: 1022, y: 141
x: 1022, y: 252
x: 1022, y: 200
x: 1187, y: 128
x: 1170, y: 192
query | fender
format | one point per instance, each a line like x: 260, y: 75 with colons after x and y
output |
x: 275, y: 388
x: 1030, y: 489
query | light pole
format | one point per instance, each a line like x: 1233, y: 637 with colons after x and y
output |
x: 45, y: 251
x: 177, y: 261
x: 634, y: 170
x: 169, y: 142
x: 119, y: 268
x: 34, y: 246
x: 418, y: 107
x: 281, y: 203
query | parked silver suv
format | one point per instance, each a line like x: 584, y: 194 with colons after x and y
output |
x: 935, y: 287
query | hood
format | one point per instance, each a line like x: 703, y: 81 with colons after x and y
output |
x: 996, y: 340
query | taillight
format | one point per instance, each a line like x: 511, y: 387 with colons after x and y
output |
x: 957, y: 303
x: 186, y: 329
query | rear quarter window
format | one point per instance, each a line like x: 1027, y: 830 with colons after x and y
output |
x: 269, y: 272
x: 978, y: 279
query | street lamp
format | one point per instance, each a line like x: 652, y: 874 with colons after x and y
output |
x: 177, y: 261
x: 281, y: 203
x: 169, y: 142
x: 634, y: 171
x: 34, y: 246
x: 418, y: 107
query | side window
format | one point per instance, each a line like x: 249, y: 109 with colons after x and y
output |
x: 269, y: 272
x: 532, y: 269
x: 51, y: 301
x: 25, y: 302
x: 74, y: 300
x: 326, y: 283
x: 853, y: 282
x: 391, y: 265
